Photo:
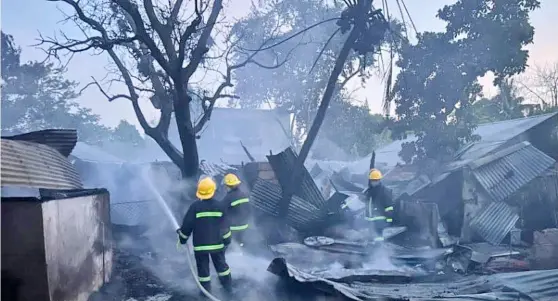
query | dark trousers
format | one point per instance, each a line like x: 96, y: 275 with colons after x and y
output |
x: 221, y: 266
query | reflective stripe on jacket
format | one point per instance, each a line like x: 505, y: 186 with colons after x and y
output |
x: 379, y: 204
x: 238, y: 209
x: 205, y: 220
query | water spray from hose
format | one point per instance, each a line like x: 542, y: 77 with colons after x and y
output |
x: 175, y: 224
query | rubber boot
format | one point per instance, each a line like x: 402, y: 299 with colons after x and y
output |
x: 207, y: 286
x: 226, y: 282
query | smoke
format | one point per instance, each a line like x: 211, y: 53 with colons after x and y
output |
x: 169, y: 197
x: 135, y: 206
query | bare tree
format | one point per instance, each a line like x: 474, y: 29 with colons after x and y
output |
x: 156, y: 50
x: 547, y: 81
x: 542, y: 85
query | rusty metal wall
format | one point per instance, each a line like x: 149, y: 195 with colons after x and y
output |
x: 24, y: 274
x: 78, y: 245
x: 35, y: 165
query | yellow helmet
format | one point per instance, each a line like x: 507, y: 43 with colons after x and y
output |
x: 206, y: 189
x: 232, y: 180
x: 375, y: 175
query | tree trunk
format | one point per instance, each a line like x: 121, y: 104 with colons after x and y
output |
x: 172, y: 152
x: 191, y: 162
x: 190, y: 165
x: 317, y: 123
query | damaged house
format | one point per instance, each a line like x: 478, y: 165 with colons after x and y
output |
x: 490, y: 210
x: 500, y: 189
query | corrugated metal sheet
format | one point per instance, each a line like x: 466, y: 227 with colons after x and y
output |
x: 282, y: 164
x: 499, y: 296
x: 35, y: 165
x: 62, y: 140
x: 535, y: 285
x: 505, y: 172
x: 495, y: 222
x: 492, y: 135
x: 265, y: 196
x: 215, y: 169
x: 336, y: 201
x: 538, y: 285
x: 495, y: 134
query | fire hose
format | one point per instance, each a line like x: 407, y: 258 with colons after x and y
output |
x: 195, y: 275
x: 166, y: 209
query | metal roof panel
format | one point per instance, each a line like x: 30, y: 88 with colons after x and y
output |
x: 495, y: 222
x: 35, y: 165
x: 535, y: 285
x: 62, y: 140
x: 283, y: 164
x: 265, y: 196
x: 505, y: 172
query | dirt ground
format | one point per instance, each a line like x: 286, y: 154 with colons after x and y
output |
x: 141, y: 274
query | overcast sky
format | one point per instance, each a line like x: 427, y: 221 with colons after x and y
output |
x: 24, y: 19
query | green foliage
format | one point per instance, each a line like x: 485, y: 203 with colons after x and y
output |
x: 439, y: 75
x: 298, y: 85
x: 507, y: 104
x: 352, y: 127
x: 128, y: 133
x: 36, y: 96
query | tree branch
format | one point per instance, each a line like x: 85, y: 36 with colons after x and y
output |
x: 141, y: 32
x: 108, y: 97
x: 174, y: 13
x: 162, y: 31
x: 228, y: 83
x: 201, y: 48
x: 190, y: 30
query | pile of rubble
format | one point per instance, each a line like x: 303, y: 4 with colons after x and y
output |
x: 448, y: 240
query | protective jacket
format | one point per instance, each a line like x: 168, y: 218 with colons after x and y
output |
x: 379, y: 205
x: 238, y: 209
x: 207, y: 222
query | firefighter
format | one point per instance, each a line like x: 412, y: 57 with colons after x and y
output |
x: 379, y: 204
x: 206, y: 221
x: 239, y: 210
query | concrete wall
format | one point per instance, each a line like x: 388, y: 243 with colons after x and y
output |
x: 78, y: 248
x: 24, y: 275
x: 57, y: 250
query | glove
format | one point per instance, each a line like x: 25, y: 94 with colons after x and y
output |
x: 181, y: 237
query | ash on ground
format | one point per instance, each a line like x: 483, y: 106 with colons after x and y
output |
x: 140, y: 273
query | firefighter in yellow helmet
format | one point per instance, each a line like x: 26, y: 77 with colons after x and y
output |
x: 206, y: 221
x: 379, y: 204
x: 238, y: 208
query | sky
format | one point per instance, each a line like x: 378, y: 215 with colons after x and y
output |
x: 26, y: 19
